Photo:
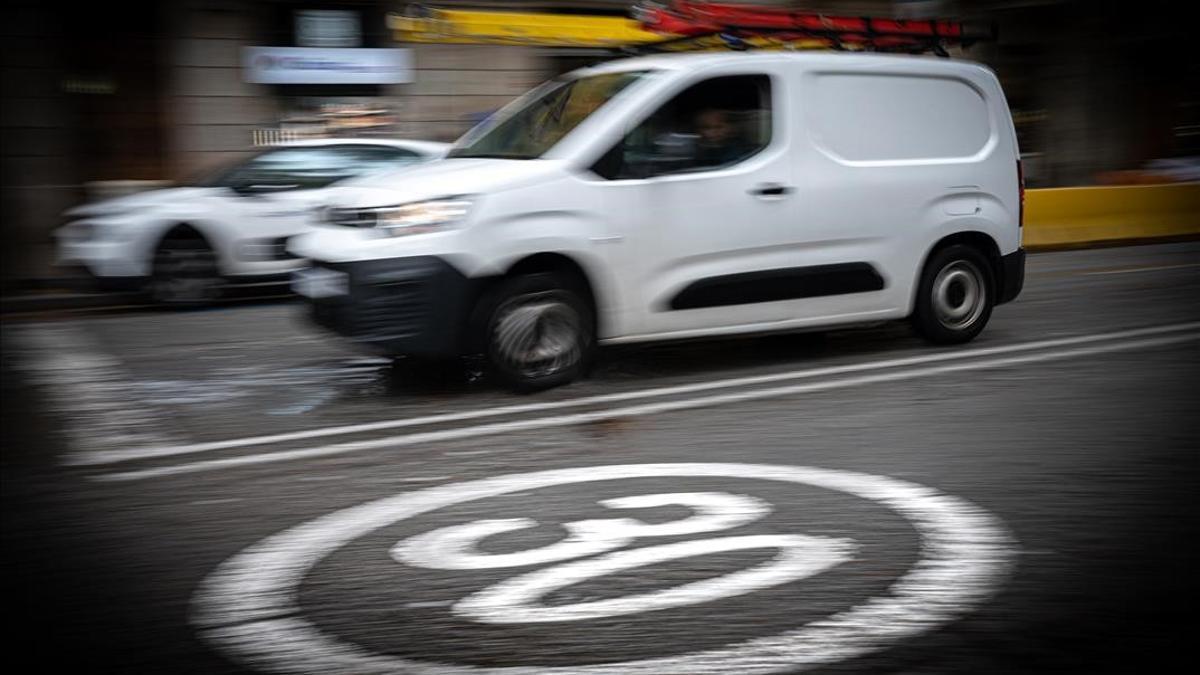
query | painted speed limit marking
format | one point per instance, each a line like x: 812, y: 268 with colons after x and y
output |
x: 516, y: 599
x: 249, y: 609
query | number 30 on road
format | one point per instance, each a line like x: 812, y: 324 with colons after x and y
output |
x: 249, y: 607
x: 516, y: 600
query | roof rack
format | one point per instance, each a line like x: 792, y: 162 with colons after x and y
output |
x: 681, y: 26
x: 696, y: 24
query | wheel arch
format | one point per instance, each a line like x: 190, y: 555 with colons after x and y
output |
x: 185, y: 230
x: 980, y: 241
x: 552, y: 262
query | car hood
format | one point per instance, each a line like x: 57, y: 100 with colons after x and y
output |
x: 140, y: 200
x: 445, y: 178
x: 183, y: 198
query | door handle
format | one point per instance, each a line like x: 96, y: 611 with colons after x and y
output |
x: 771, y: 190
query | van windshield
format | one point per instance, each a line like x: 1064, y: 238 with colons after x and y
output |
x: 540, y: 119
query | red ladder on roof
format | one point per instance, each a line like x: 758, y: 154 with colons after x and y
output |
x: 690, y: 20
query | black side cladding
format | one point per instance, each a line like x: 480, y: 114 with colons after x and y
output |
x: 779, y: 284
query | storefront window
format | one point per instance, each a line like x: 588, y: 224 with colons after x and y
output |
x: 336, y: 116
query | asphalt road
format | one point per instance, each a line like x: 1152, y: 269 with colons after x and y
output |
x: 230, y: 491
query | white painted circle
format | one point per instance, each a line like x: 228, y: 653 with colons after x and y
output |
x: 248, y: 607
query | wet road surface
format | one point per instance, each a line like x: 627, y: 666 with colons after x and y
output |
x: 231, y: 491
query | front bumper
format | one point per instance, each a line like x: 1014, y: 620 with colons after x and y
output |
x: 102, y: 259
x: 261, y: 257
x: 417, y: 306
x: 1012, y: 276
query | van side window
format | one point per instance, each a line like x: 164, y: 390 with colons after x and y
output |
x: 710, y: 125
x: 864, y: 117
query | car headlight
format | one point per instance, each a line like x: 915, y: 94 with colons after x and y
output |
x: 81, y: 232
x: 420, y: 217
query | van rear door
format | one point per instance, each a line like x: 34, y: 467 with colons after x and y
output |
x: 893, y: 159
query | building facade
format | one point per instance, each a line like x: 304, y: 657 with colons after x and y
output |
x: 108, y: 97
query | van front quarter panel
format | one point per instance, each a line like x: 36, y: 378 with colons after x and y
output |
x: 560, y: 217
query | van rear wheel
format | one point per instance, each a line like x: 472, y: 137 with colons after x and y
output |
x: 955, y: 296
x: 539, y: 333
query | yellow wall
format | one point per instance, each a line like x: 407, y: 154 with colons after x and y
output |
x: 1086, y: 215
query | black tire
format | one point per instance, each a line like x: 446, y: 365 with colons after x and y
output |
x: 185, y: 273
x: 955, y: 296
x: 539, y: 332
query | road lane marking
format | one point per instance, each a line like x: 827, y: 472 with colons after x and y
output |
x: 248, y: 608
x: 630, y: 411
x: 1131, y: 270
x: 132, y: 454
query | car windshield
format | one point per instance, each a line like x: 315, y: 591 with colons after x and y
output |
x: 540, y: 119
x: 299, y: 168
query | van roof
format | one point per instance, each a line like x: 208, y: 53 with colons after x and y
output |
x: 692, y: 60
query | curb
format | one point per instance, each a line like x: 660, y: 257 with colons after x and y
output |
x: 48, y: 302
x: 1111, y: 243
x: 54, y: 299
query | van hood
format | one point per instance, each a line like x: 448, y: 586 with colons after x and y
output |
x: 445, y: 178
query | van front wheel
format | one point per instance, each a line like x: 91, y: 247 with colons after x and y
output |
x: 955, y: 296
x: 539, y: 333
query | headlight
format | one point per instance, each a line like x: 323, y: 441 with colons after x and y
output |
x: 419, y: 217
x: 92, y: 231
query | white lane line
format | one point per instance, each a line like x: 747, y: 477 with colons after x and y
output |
x: 1130, y: 270
x: 87, y: 388
x: 130, y: 454
x: 629, y: 411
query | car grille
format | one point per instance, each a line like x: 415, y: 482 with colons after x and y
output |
x: 394, y: 310
x: 377, y: 311
x: 279, y: 249
x: 276, y: 249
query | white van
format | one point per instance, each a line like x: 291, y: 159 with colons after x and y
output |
x: 684, y: 196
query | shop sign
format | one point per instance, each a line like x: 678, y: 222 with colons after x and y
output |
x: 309, y: 65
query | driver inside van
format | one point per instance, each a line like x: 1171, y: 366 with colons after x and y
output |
x: 719, y: 141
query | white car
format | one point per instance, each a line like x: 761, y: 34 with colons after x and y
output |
x: 183, y: 243
x: 684, y: 196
